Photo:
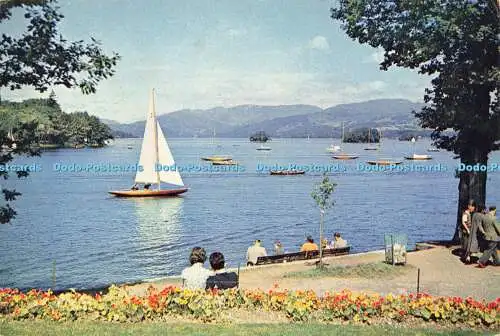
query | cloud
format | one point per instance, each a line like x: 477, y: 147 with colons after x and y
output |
x: 200, y: 89
x: 376, y: 57
x: 319, y: 42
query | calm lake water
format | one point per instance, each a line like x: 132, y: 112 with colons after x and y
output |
x: 96, y: 239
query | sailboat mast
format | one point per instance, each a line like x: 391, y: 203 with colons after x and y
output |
x: 342, y: 140
x: 155, y: 136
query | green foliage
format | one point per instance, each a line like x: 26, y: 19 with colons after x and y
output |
x: 322, y: 193
x: 32, y: 123
x: 363, y: 135
x: 118, y: 305
x: 53, y: 126
x: 22, y: 144
x: 260, y: 137
x: 171, y: 328
x: 455, y: 42
x: 41, y: 57
x: 367, y: 271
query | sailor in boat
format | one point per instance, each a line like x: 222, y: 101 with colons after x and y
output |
x: 135, y: 187
x: 146, y: 186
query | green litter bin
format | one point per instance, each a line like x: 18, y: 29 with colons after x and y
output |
x: 395, y: 248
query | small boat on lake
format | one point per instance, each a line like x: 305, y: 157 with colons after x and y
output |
x: 336, y: 148
x: 287, y: 172
x: 216, y: 158
x: 370, y: 148
x: 433, y: 149
x: 384, y: 162
x: 333, y: 148
x: 344, y: 156
x: 419, y: 157
x: 225, y: 163
x: 130, y: 147
x: 154, y: 153
x: 263, y: 148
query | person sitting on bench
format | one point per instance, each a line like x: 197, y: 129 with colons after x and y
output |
x: 278, y: 248
x: 221, y: 279
x: 309, y: 245
x: 254, y: 252
x: 337, y: 241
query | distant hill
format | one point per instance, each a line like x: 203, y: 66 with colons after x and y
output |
x: 391, y: 115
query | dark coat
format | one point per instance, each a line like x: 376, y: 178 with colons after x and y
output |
x: 472, y: 244
x: 222, y: 280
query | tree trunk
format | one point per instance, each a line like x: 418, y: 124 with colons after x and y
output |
x: 321, y: 217
x: 472, y: 186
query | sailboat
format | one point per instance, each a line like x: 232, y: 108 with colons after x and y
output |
x: 154, y: 152
x: 383, y: 162
x: 417, y: 156
x: 336, y: 148
x: 263, y: 148
x: 216, y: 158
x: 370, y: 140
x: 344, y: 156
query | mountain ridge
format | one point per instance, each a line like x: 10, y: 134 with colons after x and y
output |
x: 295, y: 120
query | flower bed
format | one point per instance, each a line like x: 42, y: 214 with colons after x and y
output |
x: 118, y: 305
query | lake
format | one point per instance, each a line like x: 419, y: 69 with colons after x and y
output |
x: 96, y: 239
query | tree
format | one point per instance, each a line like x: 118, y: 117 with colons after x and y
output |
x: 363, y: 135
x: 41, y: 58
x: 456, y: 42
x: 321, y: 195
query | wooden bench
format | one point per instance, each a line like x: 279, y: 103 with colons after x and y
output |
x: 288, y: 257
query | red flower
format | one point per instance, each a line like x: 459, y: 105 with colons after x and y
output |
x: 492, y: 305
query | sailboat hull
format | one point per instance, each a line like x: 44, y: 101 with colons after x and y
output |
x: 148, y: 193
x: 383, y: 163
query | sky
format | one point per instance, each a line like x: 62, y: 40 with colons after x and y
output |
x: 200, y: 54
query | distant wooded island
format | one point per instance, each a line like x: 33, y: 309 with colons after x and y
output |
x: 53, y: 127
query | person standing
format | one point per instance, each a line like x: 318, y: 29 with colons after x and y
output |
x: 467, y: 223
x: 491, y: 233
x: 472, y: 243
x: 255, y: 251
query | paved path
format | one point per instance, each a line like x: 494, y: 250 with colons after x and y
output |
x: 441, y: 273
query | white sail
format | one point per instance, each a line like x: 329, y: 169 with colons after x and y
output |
x: 166, y: 159
x: 154, y: 152
x: 148, y: 158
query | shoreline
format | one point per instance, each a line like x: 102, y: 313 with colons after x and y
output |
x: 434, y: 269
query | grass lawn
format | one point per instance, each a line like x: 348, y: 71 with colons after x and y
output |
x: 100, y: 328
x: 369, y: 271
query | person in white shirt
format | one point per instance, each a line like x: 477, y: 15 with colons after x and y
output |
x: 337, y: 241
x: 195, y: 276
x: 254, y: 252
